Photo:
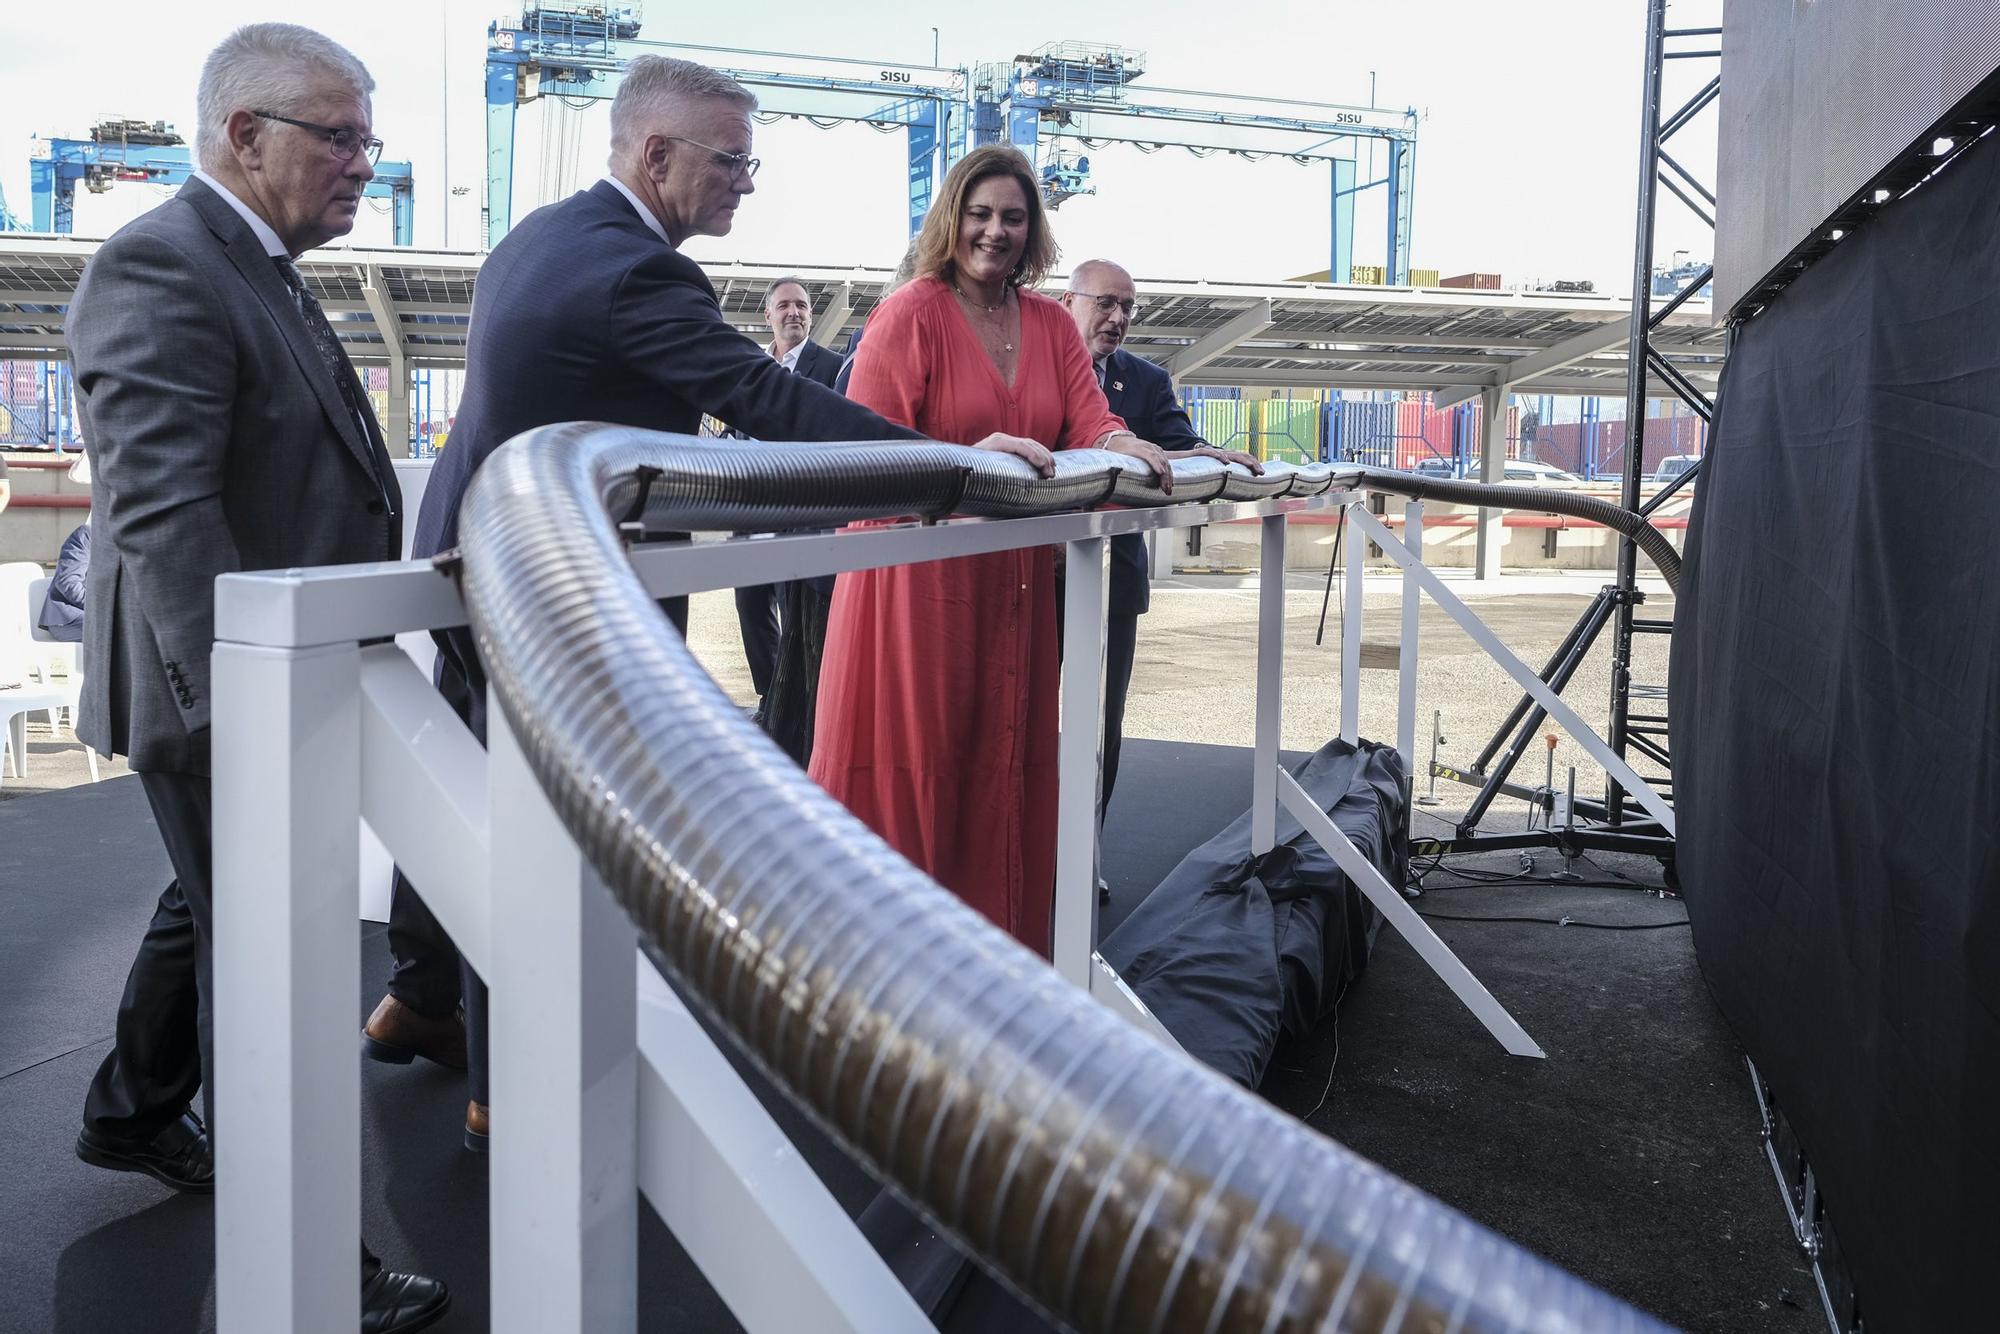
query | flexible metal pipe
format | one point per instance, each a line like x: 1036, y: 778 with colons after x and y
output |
x: 1114, y: 1183
x: 1658, y: 547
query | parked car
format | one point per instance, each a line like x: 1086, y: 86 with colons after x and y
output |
x: 1674, y: 465
x: 1539, y: 474
x: 1518, y: 471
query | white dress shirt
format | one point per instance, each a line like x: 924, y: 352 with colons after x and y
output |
x: 639, y: 207
x: 272, y: 245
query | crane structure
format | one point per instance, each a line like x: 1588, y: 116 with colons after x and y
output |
x: 579, y: 52
x: 1076, y: 92
x: 1070, y: 94
x: 133, y: 150
x: 45, y: 383
x: 151, y: 152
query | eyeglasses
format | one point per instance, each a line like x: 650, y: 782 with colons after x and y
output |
x: 1106, y: 304
x: 345, y: 143
x: 735, y: 162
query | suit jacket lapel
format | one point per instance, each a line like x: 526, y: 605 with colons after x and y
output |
x: 1114, y: 383
x: 809, y: 356
x: 247, y: 254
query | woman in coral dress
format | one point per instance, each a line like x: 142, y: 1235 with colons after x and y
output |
x: 937, y: 704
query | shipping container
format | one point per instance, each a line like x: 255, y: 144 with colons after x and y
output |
x: 1410, y: 432
x: 1288, y: 429
x: 1596, y: 449
x: 1484, y: 282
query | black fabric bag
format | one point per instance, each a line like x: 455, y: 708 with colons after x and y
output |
x: 1232, y: 949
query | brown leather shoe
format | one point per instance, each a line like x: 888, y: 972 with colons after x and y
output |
x: 475, y: 1126
x: 397, y: 1034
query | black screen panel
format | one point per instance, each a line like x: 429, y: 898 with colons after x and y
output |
x: 1818, y: 96
x: 1835, y: 696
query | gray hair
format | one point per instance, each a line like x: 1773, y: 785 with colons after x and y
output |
x: 266, y: 66
x: 771, y: 292
x: 653, y: 86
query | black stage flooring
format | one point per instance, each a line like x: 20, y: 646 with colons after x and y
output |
x: 1630, y: 1155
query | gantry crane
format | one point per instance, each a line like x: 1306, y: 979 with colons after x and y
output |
x: 1076, y: 91
x: 50, y: 379
x: 151, y: 151
x: 148, y: 151
x: 1062, y: 92
x: 580, y: 51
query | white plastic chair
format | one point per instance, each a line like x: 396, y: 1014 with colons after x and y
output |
x: 29, y: 660
x: 15, y: 617
x: 56, y: 658
x: 15, y: 706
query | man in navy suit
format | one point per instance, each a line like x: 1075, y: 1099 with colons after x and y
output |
x: 788, y: 310
x: 587, y: 311
x: 62, y: 606
x: 1102, y: 301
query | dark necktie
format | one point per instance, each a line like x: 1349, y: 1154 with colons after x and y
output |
x: 326, y: 341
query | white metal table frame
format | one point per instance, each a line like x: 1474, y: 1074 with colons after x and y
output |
x: 602, y: 1079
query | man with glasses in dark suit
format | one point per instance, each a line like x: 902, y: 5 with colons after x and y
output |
x: 227, y: 432
x: 588, y: 311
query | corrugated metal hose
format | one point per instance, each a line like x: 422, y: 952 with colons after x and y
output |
x: 1112, y: 1182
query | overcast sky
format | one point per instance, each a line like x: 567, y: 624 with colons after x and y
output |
x: 1526, y: 162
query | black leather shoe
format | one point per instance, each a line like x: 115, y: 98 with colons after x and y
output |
x: 395, y: 1303
x: 178, y: 1156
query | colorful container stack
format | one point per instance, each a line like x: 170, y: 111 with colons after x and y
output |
x: 1597, y: 448
x: 1402, y: 434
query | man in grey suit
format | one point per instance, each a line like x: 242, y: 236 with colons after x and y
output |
x: 228, y: 432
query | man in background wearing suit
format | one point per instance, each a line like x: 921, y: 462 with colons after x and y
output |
x: 588, y: 311
x: 1102, y: 301
x: 788, y: 310
x: 228, y: 432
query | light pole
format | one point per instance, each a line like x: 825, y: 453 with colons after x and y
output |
x: 444, y: 109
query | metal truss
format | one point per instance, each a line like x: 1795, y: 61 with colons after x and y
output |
x: 1657, y: 167
x: 1647, y: 367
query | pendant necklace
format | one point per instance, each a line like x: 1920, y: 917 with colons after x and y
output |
x: 990, y: 310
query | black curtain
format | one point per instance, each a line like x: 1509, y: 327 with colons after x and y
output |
x: 1836, y: 712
